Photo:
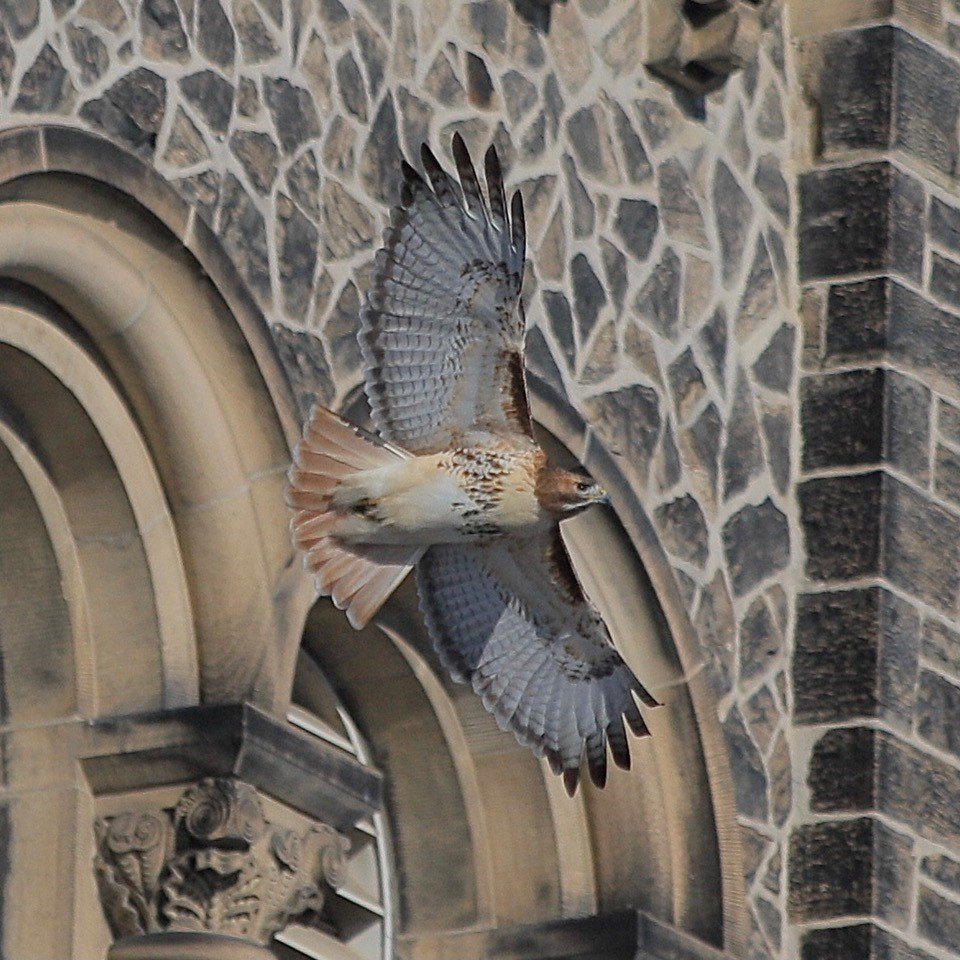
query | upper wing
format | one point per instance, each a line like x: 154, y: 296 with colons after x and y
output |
x: 442, y: 330
x: 511, y: 618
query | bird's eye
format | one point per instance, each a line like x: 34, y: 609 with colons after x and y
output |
x: 584, y: 486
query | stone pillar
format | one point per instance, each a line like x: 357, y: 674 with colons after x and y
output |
x: 211, y: 875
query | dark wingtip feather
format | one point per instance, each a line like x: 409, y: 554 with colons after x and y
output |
x: 571, y: 777
x: 621, y: 757
x: 469, y: 184
x: 598, y: 771
x: 410, y: 173
x: 636, y: 724
x: 518, y: 224
x: 494, y: 174
x: 431, y: 165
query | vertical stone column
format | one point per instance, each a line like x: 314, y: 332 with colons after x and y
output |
x: 875, y: 850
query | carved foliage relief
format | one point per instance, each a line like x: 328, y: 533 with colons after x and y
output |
x: 213, y: 863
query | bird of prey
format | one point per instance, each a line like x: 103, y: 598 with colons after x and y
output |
x: 456, y: 485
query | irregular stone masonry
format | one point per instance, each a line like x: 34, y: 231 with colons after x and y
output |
x: 660, y: 284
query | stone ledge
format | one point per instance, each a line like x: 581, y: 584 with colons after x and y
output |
x: 150, y: 750
x: 616, y: 936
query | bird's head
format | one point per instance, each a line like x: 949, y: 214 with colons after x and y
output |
x: 566, y: 492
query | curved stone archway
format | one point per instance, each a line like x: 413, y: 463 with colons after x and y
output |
x: 156, y: 345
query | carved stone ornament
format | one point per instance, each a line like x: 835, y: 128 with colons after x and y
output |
x: 213, y: 864
x: 697, y: 44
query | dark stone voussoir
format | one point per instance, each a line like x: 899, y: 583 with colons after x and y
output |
x: 628, y: 421
x: 743, y: 452
x: 756, y: 543
x: 589, y: 297
x: 212, y: 96
x: 774, y: 367
x: 163, y: 36
x: 302, y: 356
x: 636, y: 224
x: 734, y: 215
x: 242, y: 229
x: 658, y: 302
x: 749, y: 776
x: 297, y: 240
x: 215, y: 37
x: 46, y: 86
x: 379, y: 164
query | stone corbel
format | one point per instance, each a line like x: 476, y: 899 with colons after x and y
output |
x: 698, y: 44
x: 211, y: 876
x: 213, y: 864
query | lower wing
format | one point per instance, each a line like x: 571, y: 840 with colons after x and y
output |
x: 510, y: 618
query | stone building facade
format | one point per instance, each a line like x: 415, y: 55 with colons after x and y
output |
x: 744, y: 298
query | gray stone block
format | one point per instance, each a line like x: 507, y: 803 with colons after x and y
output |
x: 868, y: 217
x: 841, y: 526
x: 756, y: 543
x: 842, y: 418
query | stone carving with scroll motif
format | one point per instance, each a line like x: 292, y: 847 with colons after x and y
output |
x: 213, y: 864
x: 697, y: 44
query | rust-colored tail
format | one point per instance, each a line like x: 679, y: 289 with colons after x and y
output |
x: 359, y: 578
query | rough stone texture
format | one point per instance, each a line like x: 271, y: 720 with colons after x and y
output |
x: 756, y: 543
x: 661, y: 302
x: 887, y: 651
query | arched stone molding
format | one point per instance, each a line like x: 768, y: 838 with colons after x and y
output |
x: 160, y: 345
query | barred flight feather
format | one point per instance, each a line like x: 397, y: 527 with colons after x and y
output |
x: 508, y: 630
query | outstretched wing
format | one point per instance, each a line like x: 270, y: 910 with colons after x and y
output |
x: 443, y: 327
x: 512, y: 619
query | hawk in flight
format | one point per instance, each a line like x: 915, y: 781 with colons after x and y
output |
x: 456, y: 485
